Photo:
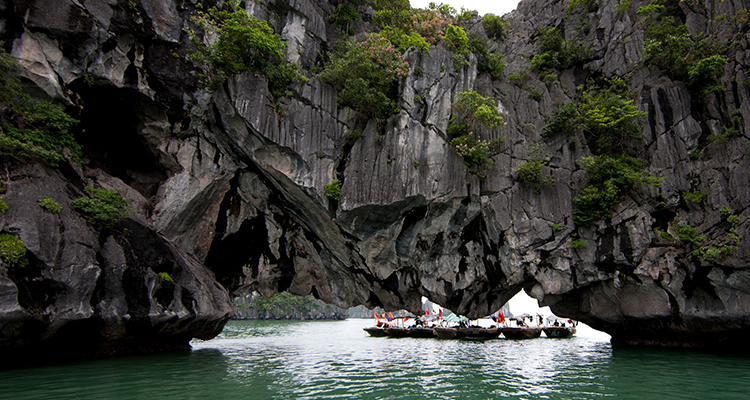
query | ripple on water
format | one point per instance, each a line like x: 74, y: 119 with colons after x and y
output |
x: 332, y: 360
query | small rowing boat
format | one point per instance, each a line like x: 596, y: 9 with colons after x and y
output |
x: 478, y: 333
x: 420, y: 332
x: 447, y: 333
x: 376, y: 331
x: 518, y: 332
x: 396, y: 331
x: 559, y: 331
x: 475, y: 333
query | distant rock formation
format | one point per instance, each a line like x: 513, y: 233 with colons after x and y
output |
x: 285, y: 306
x: 365, y: 313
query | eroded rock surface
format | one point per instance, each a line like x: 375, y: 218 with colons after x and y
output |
x: 226, y: 181
x: 90, y: 292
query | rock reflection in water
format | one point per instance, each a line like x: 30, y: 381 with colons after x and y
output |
x: 325, y: 360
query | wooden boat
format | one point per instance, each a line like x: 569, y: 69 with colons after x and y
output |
x: 376, y: 331
x: 420, y: 332
x: 475, y: 333
x: 559, y: 331
x: 517, y: 332
x: 396, y: 331
x: 447, y: 333
x: 480, y: 333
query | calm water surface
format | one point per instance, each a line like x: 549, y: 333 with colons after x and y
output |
x: 328, y: 360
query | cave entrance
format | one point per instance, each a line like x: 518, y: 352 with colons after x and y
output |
x: 229, y: 256
x: 116, y: 126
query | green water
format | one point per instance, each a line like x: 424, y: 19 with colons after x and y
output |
x: 326, y: 360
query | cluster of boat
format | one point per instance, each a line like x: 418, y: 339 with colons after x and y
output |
x: 472, y: 332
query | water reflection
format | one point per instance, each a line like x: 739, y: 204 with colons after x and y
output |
x: 327, y: 360
x: 678, y: 373
x: 184, y: 375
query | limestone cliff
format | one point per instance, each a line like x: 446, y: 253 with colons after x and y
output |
x: 224, y: 180
x: 283, y: 306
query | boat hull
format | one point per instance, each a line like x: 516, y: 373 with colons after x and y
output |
x: 421, y: 333
x: 396, y: 331
x: 559, y: 331
x: 480, y: 333
x: 376, y: 331
x: 447, y: 333
x: 467, y: 333
x: 521, y: 333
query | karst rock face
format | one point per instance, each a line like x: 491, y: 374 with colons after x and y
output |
x: 228, y: 192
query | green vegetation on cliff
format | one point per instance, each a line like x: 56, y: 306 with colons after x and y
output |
x: 558, y: 53
x: 609, y: 118
x: 366, y: 75
x: 31, y: 128
x: 689, y: 234
x: 233, y: 41
x: 285, y: 302
x: 343, y: 16
x: 165, y: 277
x: 670, y: 46
x: 609, y: 179
x: 12, y: 250
x: 563, y: 121
x: 103, y: 207
x: 530, y: 172
x: 606, y: 115
x: 456, y: 40
x: 487, y: 61
x: 50, y: 205
x: 725, y: 242
x: 284, y: 305
x: 333, y: 189
x: 717, y: 245
x: 494, y: 26
x: 472, y: 114
x: 403, y: 41
x: 611, y: 124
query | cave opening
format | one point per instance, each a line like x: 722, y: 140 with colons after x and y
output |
x: 662, y: 218
x: 35, y: 291
x: 229, y: 255
x: 112, y: 133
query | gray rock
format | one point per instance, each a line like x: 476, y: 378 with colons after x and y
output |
x: 89, y: 291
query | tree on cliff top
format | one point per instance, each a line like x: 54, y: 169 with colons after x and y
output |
x: 366, y: 75
x: 234, y: 42
x: 670, y: 46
